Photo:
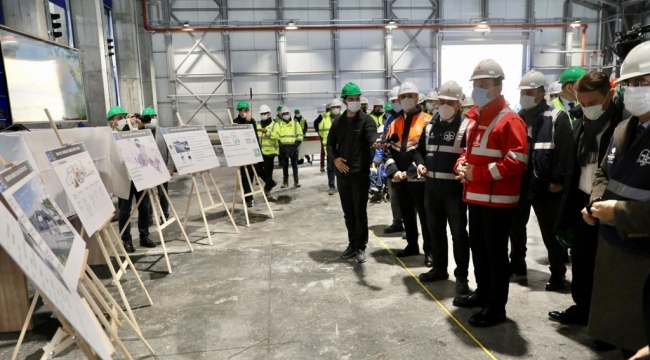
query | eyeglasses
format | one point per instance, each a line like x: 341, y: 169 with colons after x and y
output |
x: 637, y: 83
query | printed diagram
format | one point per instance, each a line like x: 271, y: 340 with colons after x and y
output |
x: 77, y: 174
x: 45, y: 218
x: 182, y: 148
x: 37, y: 249
x: 142, y: 154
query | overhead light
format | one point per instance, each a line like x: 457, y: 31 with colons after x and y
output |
x: 391, y: 25
x: 575, y: 24
x: 186, y: 24
x: 291, y: 26
x: 482, y: 27
x: 188, y: 29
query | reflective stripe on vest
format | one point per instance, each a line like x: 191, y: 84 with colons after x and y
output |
x: 628, y: 192
x: 497, y: 199
x: 439, y: 175
x: 443, y: 145
x: 543, y: 148
x: 378, y: 119
x: 417, y: 127
x: 482, y: 149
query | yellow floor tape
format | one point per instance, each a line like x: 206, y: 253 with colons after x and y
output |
x: 436, y: 299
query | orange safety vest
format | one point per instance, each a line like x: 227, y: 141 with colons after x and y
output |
x: 418, y: 124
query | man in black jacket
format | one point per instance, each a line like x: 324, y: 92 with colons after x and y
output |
x: 350, y: 142
x: 245, y: 117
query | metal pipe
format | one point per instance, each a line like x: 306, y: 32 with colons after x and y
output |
x: 568, y: 51
x: 583, y: 46
x: 273, y: 93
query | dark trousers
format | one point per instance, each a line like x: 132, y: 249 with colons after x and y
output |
x: 518, y: 235
x: 583, y: 259
x: 246, y: 186
x: 265, y: 170
x: 294, y: 167
x: 442, y: 207
x: 322, y: 155
x: 330, y: 173
x: 394, y: 203
x: 488, y: 238
x: 164, y: 204
x: 353, y: 191
x: 125, y: 206
x: 546, y: 207
x: 411, y: 201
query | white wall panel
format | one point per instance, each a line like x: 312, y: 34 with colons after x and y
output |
x: 311, y: 15
x: 507, y: 9
x: 259, y: 40
x: 361, y: 59
x: 250, y: 14
x: 157, y: 42
x: 412, y: 59
x: 308, y: 40
x: 254, y: 61
x: 460, y: 9
x: 160, y: 64
x: 199, y: 63
x: 310, y: 83
x: 260, y: 84
x: 362, y: 39
x: 367, y: 82
x: 305, y: 61
x: 363, y: 15
x: 549, y: 9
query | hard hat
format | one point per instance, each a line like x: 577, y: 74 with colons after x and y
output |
x: 636, y: 63
x: 408, y: 88
x: 297, y: 111
x: 335, y: 103
x: 350, y: 89
x: 392, y: 94
x: 265, y: 109
x: 613, y: 82
x: 422, y: 98
x: 572, y: 74
x: 279, y: 107
x: 487, y: 69
x: 432, y: 96
x: 243, y: 105
x: 388, y: 106
x: 532, y: 80
x: 378, y: 102
x: 149, y: 111
x: 328, y: 106
x: 364, y: 100
x: 285, y: 110
x: 468, y: 101
x: 115, y: 110
x: 450, y: 90
x: 555, y: 88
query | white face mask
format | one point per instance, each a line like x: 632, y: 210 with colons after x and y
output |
x: 527, y: 102
x: 593, y: 112
x: 152, y: 124
x: 336, y: 111
x: 397, y: 107
x: 637, y: 100
x: 286, y: 117
x: 480, y: 96
x: 121, y: 124
x: 408, y: 104
x: 354, y: 106
x: 446, y: 112
x: 430, y: 106
x: 265, y: 117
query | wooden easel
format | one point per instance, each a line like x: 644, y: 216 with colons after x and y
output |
x: 213, y: 205
x: 253, y: 192
x: 154, y: 200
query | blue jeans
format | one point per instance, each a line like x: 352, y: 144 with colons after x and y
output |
x: 330, y: 173
x: 375, y: 180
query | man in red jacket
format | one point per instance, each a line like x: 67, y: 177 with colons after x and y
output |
x: 491, y: 167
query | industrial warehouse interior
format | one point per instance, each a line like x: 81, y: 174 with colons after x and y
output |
x: 341, y: 179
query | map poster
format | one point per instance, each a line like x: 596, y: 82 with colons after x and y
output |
x: 239, y: 144
x: 142, y: 158
x: 23, y: 249
x: 190, y: 148
x: 81, y: 181
x: 56, y: 240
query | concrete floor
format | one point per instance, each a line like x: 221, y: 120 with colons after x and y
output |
x: 278, y: 290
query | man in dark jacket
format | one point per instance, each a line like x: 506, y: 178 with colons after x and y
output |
x: 245, y: 117
x: 350, y: 142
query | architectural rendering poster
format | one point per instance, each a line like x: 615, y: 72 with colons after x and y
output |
x: 50, y: 230
x: 142, y: 158
x: 190, y: 148
x: 82, y: 184
x: 239, y: 144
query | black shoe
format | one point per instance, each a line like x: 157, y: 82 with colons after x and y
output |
x: 393, y: 229
x: 570, y: 316
x: 403, y: 236
x: 250, y: 203
x: 487, y: 318
x: 556, y: 283
x: 128, y: 246
x: 407, y: 252
x: 433, y: 275
x: 518, y: 268
x: 308, y: 159
x: 146, y: 242
x: 301, y: 161
x: 349, y: 252
x: 361, y: 256
x: 428, y: 260
x: 468, y: 301
x: 602, y: 346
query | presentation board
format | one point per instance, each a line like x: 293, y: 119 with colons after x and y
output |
x: 22, y: 249
x: 239, y: 144
x: 142, y: 158
x: 54, y: 236
x: 190, y: 148
x: 81, y: 182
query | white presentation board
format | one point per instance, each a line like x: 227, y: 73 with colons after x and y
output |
x: 81, y: 182
x: 190, y: 148
x: 142, y: 158
x: 22, y: 248
x: 23, y: 189
x: 239, y: 144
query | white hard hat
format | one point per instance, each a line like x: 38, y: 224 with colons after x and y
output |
x: 488, y: 69
x: 532, y: 80
x: 378, y: 102
x: 364, y: 100
x: 392, y: 94
x: 265, y: 109
x: 468, y: 101
x: 408, y: 88
x: 285, y: 110
x: 335, y: 103
x: 450, y: 90
x: 432, y: 96
x: 636, y: 63
x: 555, y: 88
x: 422, y: 99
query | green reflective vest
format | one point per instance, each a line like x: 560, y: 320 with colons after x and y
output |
x: 290, y: 132
x: 324, y: 128
x: 269, y: 142
x: 558, y: 104
x: 379, y: 119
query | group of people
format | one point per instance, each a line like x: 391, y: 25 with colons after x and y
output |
x: 579, y: 157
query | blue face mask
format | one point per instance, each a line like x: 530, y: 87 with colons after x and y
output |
x: 480, y: 96
x: 397, y: 107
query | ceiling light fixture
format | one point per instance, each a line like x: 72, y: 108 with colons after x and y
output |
x: 186, y: 24
x: 391, y: 25
x: 575, y: 24
x: 291, y: 26
x: 482, y: 27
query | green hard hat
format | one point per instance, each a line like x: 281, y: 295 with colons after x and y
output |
x: 572, y: 74
x: 388, y: 106
x: 296, y: 111
x: 280, y: 107
x: 243, y: 105
x: 115, y: 110
x: 350, y: 89
x: 149, y: 111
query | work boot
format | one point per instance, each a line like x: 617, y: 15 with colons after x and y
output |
x: 296, y: 183
x: 128, y: 246
x: 331, y: 191
x: 433, y: 275
x: 361, y: 256
x: 394, y: 228
x: 462, y: 286
x: 146, y: 242
x: 322, y: 169
x: 349, y: 252
x: 285, y: 183
x: 301, y: 161
x: 250, y: 203
x: 556, y: 283
x: 308, y: 159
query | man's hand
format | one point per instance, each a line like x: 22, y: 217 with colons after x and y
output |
x: 469, y: 173
x: 339, y: 162
x: 588, y: 218
x: 248, y: 116
x: 171, y: 172
x: 464, y: 171
x: 422, y: 170
x: 399, y: 176
x: 555, y: 188
x: 604, y: 210
x: 263, y: 130
x: 377, y: 144
x: 641, y: 353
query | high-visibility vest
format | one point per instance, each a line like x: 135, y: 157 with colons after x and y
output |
x: 269, y: 141
x: 417, y: 127
x: 544, y: 146
x: 443, y: 147
x: 290, y: 132
x: 558, y: 104
x: 324, y: 128
x: 379, y: 119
